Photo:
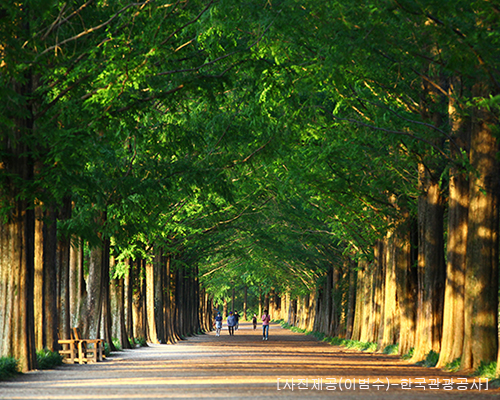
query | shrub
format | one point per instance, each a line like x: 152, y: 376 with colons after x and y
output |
x: 8, y: 367
x: 317, y: 335
x: 486, y: 370
x: 117, y: 344
x: 141, y: 341
x: 48, y: 359
x: 370, y: 347
x: 408, y: 355
x: 336, y: 341
x: 107, y: 351
x: 431, y: 359
x: 391, y: 349
x: 453, y: 366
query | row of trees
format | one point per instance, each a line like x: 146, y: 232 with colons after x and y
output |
x: 330, y: 155
x: 396, y: 165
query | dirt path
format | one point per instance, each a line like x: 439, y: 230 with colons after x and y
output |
x: 243, y: 367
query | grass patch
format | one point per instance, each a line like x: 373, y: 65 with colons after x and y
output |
x: 135, y: 342
x: 47, y: 359
x: 391, y: 349
x: 117, y: 344
x: 318, y: 335
x: 408, y: 355
x: 336, y: 341
x: 453, y: 366
x: 431, y: 359
x: 486, y: 370
x: 9, y: 366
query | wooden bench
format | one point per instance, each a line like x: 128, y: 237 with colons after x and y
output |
x: 71, y: 352
x: 79, y: 350
x: 89, y: 350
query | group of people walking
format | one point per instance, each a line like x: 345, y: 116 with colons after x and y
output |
x: 233, y: 323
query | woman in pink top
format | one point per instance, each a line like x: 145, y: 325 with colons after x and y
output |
x: 265, y: 325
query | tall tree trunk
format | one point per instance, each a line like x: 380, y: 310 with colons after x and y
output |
x: 390, y: 320
x: 139, y: 314
x: 39, y: 293
x: 245, y: 300
x: 351, y: 300
x: 51, y: 316
x: 152, y: 336
x: 481, y: 283
x: 17, y: 258
x: 90, y: 327
x: 63, y: 248
x: 406, y: 281
x: 106, y: 302
x: 74, y: 259
x: 431, y: 271
x: 129, y: 294
x: 458, y: 209
x: 367, y: 299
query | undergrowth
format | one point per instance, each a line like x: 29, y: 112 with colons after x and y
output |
x: 453, y: 366
x: 391, y: 349
x: 431, y: 359
x: 48, y: 359
x: 9, y: 366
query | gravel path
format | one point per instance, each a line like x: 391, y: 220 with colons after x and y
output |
x: 243, y: 367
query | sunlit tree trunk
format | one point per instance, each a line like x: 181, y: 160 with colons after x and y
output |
x: 17, y: 257
x: 90, y: 324
x: 39, y: 294
x: 458, y: 208
x: 139, y: 314
x: 390, y: 321
x: 150, y: 303
x: 431, y: 271
x: 481, y: 276
x: 406, y: 281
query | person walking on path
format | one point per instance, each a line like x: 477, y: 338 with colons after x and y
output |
x: 266, y: 319
x: 218, y: 324
x: 231, y: 322
x: 237, y: 318
x: 254, y: 321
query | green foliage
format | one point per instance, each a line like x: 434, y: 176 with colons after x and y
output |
x: 453, y: 366
x: 292, y: 328
x: 48, y: 359
x: 391, y: 349
x: 117, y: 344
x: 138, y: 342
x: 408, y: 355
x: 430, y: 361
x: 486, y: 370
x: 8, y: 367
x: 107, y: 350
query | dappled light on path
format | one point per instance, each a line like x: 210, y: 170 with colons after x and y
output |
x: 243, y: 366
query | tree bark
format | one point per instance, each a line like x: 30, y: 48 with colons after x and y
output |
x: 152, y: 336
x: 406, y: 281
x: 481, y: 279
x: 458, y: 209
x: 431, y: 271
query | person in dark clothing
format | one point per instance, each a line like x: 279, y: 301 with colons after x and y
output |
x: 218, y: 324
x: 237, y: 317
x: 231, y: 322
x: 254, y: 321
